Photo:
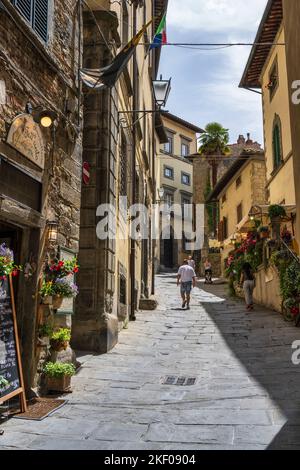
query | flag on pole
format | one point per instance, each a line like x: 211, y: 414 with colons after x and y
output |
x: 160, y: 37
x: 108, y: 76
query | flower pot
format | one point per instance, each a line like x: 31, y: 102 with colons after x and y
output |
x: 47, y: 300
x: 59, y: 346
x: 57, y: 302
x: 264, y: 235
x: 59, y: 384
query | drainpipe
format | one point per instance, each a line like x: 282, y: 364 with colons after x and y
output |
x: 133, y: 181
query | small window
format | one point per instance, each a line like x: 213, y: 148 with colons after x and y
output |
x: 238, y: 182
x: 185, y: 149
x: 273, y: 80
x: 277, y: 143
x: 169, y: 199
x: 168, y: 147
x: 125, y: 23
x: 169, y: 172
x: 122, y: 296
x: 186, y: 179
x: 224, y: 198
x: 123, y: 166
x: 36, y: 13
x: 239, y: 213
x: 186, y: 207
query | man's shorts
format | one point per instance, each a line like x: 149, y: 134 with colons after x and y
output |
x: 186, y: 287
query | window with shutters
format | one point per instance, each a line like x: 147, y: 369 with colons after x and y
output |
x: 277, y: 143
x: 123, y: 166
x: 36, y: 13
x: 239, y: 213
x: 225, y: 228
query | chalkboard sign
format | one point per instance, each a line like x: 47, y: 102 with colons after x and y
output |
x: 10, y: 360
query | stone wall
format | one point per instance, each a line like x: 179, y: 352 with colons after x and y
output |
x: 95, y: 327
x: 45, y: 75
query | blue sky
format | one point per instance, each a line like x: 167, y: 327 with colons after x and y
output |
x: 205, y: 83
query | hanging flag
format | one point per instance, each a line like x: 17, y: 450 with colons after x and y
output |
x: 160, y: 37
x: 108, y: 76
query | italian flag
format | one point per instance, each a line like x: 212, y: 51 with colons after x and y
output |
x: 160, y: 37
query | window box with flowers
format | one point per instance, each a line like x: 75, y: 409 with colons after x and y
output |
x: 57, y: 284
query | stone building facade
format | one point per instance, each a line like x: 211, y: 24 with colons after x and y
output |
x: 40, y: 168
x: 174, y: 175
x: 118, y: 145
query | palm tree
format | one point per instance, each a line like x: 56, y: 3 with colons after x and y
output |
x: 214, y: 145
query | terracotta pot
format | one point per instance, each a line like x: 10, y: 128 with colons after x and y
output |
x: 59, y: 384
x: 57, y: 302
x: 47, y: 300
x: 58, y: 346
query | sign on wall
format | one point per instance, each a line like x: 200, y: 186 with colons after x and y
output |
x: 26, y: 136
x: 10, y: 359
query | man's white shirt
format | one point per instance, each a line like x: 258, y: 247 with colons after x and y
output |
x: 187, y: 273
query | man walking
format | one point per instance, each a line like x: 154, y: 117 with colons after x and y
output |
x: 187, y: 277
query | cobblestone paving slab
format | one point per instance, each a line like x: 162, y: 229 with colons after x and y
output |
x: 246, y: 394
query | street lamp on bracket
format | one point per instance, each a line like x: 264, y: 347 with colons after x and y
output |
x: 161, y: 90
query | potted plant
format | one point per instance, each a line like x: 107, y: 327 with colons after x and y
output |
x: 46, y: 292
x: 3, y: 383
x: 63, y: 288
x: 276, y: 213
x: 264, y: 232
x: 58, y: 376
x: 7, y: 265
x: 45, y: 333
x: 60, y: 339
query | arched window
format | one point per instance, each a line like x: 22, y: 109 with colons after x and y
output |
x: 277, y: 143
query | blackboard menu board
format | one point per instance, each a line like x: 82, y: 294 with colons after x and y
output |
x: 9, y: 368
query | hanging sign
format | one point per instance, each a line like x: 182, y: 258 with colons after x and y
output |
x: 86, y: 173
x: 26, y: 136
x: 11, y: 375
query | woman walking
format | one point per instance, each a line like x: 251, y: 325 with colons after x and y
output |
x: 248, y: 282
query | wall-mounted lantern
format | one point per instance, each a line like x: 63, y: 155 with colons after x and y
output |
x: 52, y: 226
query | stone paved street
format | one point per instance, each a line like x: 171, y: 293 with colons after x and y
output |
x: 246, y: 395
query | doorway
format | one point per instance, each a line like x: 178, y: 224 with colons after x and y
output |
x: 169, y: 252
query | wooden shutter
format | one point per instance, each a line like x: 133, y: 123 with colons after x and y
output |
x: 40, y: 18
x: 221, y: 231
x: 25, y: 7
x: 36, y: 13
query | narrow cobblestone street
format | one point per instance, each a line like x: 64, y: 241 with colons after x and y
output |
x: 246, y: 394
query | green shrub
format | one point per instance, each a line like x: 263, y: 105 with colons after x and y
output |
x: 62, y: 335
x: 45, y: 330
x: 276, y: 211
x: 58, y: 369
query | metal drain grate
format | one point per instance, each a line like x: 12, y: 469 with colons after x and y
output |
x: 181, y: 381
